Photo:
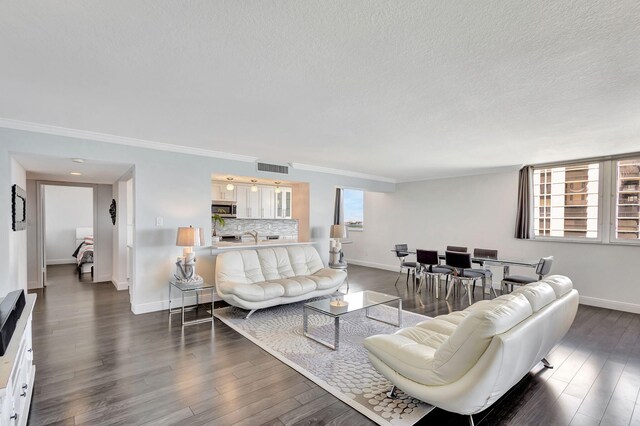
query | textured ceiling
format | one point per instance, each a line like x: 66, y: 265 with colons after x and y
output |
x: 403, y: 89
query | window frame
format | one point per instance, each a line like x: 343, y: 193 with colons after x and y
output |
x: 613, y: 239
x: 350, y: 228
x: 607, y: 190
x: 599, y: 239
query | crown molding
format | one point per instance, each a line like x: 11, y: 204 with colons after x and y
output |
x: 120, y: 140
x: 161, y: 146
x: 329, y: 170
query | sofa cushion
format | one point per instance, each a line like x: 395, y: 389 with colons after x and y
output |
x: 256, y: 292
x: 242, y: 267
x: 472, y: 336
x: 559, y: 283
x: 538, y: 294
x: 295, y: 286
x: 304, y: 260
x: 275, y: 263
x: 327, y: 278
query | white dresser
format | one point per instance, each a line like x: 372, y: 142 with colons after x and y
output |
x: 17, y: 371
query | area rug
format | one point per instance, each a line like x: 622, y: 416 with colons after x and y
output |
x: 345, y: 373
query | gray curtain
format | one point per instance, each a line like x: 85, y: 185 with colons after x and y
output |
x: 523, y: 216
x: 338, y: 212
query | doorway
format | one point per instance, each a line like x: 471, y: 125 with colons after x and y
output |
x: 67, y: 220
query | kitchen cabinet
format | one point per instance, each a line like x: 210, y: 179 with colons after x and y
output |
x: 248, y: 203
x: 267, y: 202
x: 219, y: 191
x: 283, y: 204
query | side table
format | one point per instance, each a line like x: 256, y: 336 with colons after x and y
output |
x: 186, y: 288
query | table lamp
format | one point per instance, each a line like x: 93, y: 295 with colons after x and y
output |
x: 186, y: 265
x: 338, y: 232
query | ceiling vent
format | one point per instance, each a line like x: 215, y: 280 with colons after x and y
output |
x: 273, y: 168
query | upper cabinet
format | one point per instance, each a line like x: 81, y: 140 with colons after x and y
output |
x: 267, y: 202
x: 283, y: 203
x: 248, y: 202
x: 219, y: 191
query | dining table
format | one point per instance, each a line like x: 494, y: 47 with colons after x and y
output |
x: 505, y: 261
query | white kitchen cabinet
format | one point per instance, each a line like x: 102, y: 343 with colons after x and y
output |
x: 283, y: 204
x: 248, y: 202
x: 219, y: 191
x: 267, y: 202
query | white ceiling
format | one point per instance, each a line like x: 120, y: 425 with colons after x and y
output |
x: 58, y: 169
x: 405, y: 89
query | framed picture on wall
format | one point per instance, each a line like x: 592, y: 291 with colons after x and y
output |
x: 18, y: 208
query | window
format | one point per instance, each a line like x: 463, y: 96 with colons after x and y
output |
x: 566, y: 201
x: 592, y: 201
x: 353, y: 208
x: 627, y: 200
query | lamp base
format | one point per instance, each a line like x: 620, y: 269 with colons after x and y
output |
x: 195, y: 280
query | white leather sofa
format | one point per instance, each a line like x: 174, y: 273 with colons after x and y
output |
x: 257, y: 279
x: 464, y: 361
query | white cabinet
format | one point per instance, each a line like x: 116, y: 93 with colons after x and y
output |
x: 267, y: 202
x: 283, y: 203
x: 248, y: 202
x: 18, y: 372
x: 219, y: 191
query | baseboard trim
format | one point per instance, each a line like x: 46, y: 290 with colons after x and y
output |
x: 69, y: 261
x: 122, y: 285
x: 163, y: 305
x: 102, y: 278
x: 610, y: 304
x: 33, y: 284
x: 383, y: 266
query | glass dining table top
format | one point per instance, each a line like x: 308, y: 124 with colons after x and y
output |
x: 500, y: 260
x: 355, y: 302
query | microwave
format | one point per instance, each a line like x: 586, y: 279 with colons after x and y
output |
x: 224, y: 208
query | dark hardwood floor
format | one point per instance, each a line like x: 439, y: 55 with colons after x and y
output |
x: 97, y: 363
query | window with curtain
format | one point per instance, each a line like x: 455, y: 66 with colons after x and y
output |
x: 354, y: 209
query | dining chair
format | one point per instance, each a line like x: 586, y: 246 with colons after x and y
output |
x: 488, y: 274
x: 458, y: 249
x: 543, y: 268
x: 462, y: 273
x: 401, y: 253
x: 430, y: 271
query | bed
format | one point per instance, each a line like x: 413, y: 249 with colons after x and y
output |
x: 84, y: 251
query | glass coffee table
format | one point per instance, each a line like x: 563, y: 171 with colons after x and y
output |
x: 354, y: 302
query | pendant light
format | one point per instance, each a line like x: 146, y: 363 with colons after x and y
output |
x: 254, y: 187
x: 230, y: 185
x: 277, y: 190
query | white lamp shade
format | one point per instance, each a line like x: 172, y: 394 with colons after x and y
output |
x: 190, y: 237
x: 339, y: 231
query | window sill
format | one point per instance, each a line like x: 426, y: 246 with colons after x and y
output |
x: 577, y: 241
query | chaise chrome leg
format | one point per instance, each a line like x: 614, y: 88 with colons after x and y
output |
x: 399, y: 275
x: 546, y: 363
x: 393, y: 392
x: 471, y: 420
x: 250, y: 313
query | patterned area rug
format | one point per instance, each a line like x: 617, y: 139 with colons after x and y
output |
x: 345, y: 373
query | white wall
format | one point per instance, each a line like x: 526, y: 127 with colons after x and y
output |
x: 32, y: 236
x: 66, y: 208
x: 103, y: 250
x: 479, y: 211
x: 177, y: 188
x: 16, y: 253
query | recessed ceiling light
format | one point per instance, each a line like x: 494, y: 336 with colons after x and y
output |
x: 78, y: 160
x: 76, y: 173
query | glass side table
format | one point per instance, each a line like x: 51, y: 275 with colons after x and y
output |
x: 186, y: 288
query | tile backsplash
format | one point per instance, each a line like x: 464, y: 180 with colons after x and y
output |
x: 282, y: 227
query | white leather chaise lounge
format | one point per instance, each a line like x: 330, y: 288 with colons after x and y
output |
x: 464, y: 361
x: 257, y: 279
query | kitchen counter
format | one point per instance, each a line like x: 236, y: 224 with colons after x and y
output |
x: 223, y: 245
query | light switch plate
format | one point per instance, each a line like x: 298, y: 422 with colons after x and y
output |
x: 159, y: 221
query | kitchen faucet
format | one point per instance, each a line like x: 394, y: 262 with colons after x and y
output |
x: 253, y: 233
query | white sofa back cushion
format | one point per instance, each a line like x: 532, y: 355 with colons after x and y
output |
x: 471, y: 338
